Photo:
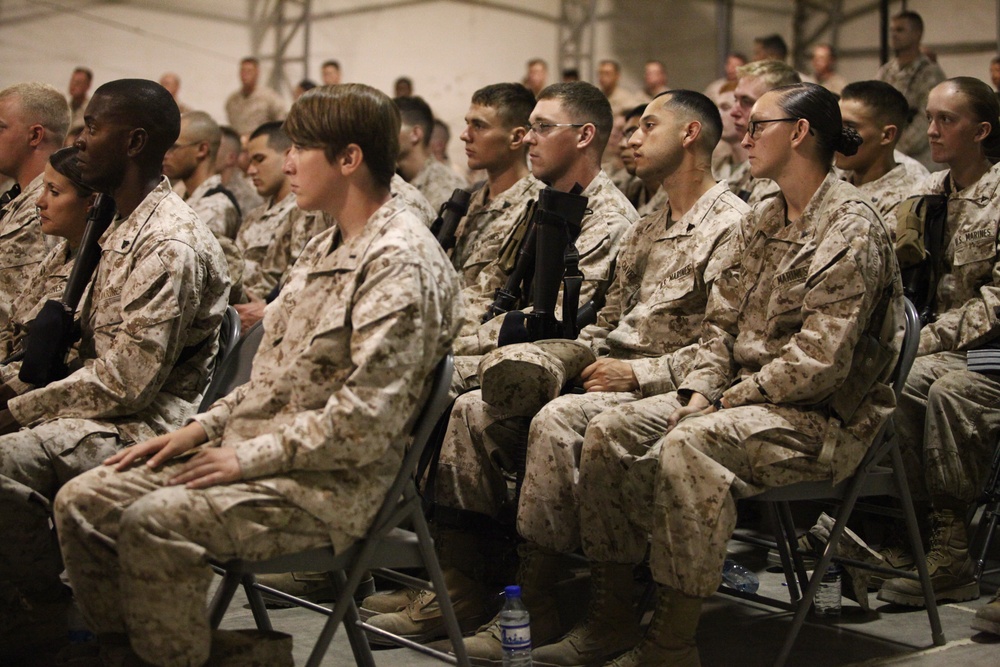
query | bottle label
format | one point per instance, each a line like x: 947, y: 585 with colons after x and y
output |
x: 515, y: 637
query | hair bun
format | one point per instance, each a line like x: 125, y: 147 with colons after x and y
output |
x: 849, y: 141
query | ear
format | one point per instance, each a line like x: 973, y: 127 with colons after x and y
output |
x: 984, y: 130
x: 202, y: 150
x: 588, y: 133
x: 517, y: 135
x: 417, y: 135
x: 800, y: 133
x: 137, y: 140
x: 691, y: 133
x: 350, y: 159
x: 91, y: 200
x: 889, y: 135
x: 36, y: 135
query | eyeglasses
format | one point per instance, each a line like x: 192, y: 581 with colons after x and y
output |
x: 541, y: 129
x: 754, y: 126
x: 176, y: 147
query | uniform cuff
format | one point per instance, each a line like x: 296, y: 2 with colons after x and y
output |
x: 262, y: 456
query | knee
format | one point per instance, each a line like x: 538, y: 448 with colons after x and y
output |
x: 161, y: 512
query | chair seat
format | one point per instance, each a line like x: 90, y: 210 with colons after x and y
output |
x: 879, y: 482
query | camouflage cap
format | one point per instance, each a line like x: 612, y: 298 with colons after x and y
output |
x: 520, y: 379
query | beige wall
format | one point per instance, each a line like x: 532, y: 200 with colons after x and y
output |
x: 448, y: 48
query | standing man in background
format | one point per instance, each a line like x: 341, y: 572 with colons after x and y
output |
x: 251, y: 106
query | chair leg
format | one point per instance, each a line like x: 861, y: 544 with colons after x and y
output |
x: 222, y: 598
x: 786, y: 548
x: 937, y: 633
x: 257, y: 606
x: 437, y: 579
x: 987, y: 525
x: 355, y: 635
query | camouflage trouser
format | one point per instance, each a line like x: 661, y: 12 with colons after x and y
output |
x: 34, y: 463
x: 549, y: 511
x: 948, y: 422
x: 137, y: 551
x: 701, y: 464
x: 477, y: 448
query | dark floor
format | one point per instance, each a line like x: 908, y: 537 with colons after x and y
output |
x: 734, y: 632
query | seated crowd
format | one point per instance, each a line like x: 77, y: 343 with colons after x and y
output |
x: 659, y: 303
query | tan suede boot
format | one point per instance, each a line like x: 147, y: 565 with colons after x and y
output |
x: 421, y: 619
x: 609, y: 628
x: 988, y: 618
x: 670, y: 638
x: 538, y: 573
x: 948, y: 563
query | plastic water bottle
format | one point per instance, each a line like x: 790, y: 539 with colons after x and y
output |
x: 827, y: 600
x: 515, y: 630
x: 738, y: 577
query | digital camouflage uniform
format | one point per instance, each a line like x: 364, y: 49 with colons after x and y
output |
x: 256, y: 238
x: 319, y: 431
x: 223, y: 219
x: 248, y: 112
x: 915, y: 81
x: 22, y: 245
x: 662, y: 287
x: 48, y: 282
x: 246, y: 194
x: 150, y: 325
x: 436, y: 182
x: 788, y: 353
x: 610, y: 214
x: 949, y: 421
x: 751, y: 190
x: 480, y: 234
x: 655, y: 203
x: 889, y: 191
x: 414, y: 199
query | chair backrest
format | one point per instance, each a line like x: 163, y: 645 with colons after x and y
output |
x: 911, y: 341
x: 427, y: 417
x: 229, y: 333
x: 235, y: 367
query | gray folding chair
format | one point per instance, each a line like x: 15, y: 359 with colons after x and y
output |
x: 989, y: 500
x: 388, y: 544
x: 870, y: 479
x: 234, y: 368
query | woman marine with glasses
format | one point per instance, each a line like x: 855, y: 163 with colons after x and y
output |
x: 790, y: 379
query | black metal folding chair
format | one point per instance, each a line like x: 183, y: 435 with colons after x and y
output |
x: 388, y: 544
x: 234, y: 367
x: 870, y: 479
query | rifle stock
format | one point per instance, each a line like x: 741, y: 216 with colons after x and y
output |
x: 451, y: 213
x: 52, y: 333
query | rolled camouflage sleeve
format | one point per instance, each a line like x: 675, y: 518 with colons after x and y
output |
x: 388, y: 319
x: 158, y: 303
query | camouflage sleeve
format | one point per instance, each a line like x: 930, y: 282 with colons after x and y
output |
x: 390, y: 322
x: 624, y: 287
x: 219, y: 214
x: 158, y: 303
x: 659, y: 375
x: 844, y: 284
x: 966, y: 326
x: 714, y: 367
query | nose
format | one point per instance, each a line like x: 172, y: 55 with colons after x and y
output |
x: 747, y: 141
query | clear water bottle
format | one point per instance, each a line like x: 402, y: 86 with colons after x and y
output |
x: 736, y: 576
x: 515, y: 630
x: 827, y: 600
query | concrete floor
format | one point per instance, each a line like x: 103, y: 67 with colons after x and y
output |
x: 734, y: 632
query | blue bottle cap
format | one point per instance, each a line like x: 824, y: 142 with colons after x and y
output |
x: 512, y: 592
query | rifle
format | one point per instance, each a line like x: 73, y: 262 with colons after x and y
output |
x: 552, y: 231
x: 450, y: 214
x: 52, y: 333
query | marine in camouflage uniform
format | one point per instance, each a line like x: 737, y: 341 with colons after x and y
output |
x: 948, y: 423
x: 23, y: 246
x: 609, y: 215
x: 751, y: 190
x: 784, y: 355
x: 662, y: 287
x: 149, y: 336
x: 436, y: 182
x: 319, y: 432
x: 481, y: 233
